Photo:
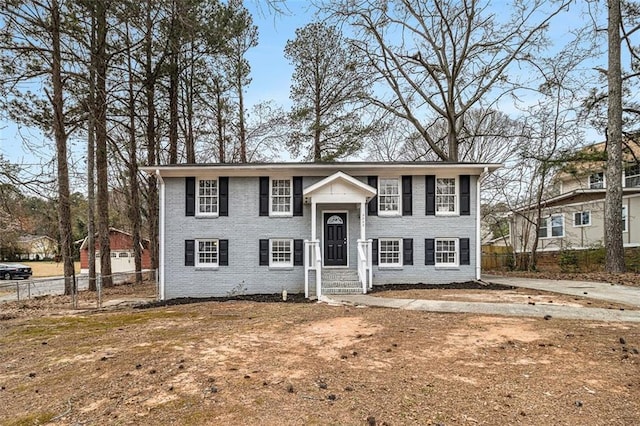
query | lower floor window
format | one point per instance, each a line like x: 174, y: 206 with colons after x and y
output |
x: 446, y: 252
x: 281, y: 253
x: 582, y: 218
x: 390, y: 253
x: 207, y: 253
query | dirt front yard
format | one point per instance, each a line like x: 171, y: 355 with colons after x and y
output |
x: 243, y: 362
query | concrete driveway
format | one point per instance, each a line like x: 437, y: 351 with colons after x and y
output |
x: 599, y: 291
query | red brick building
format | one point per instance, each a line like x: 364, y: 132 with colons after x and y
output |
x: 122, y: 257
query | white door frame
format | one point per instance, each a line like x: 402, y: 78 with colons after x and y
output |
x: 322, y: 213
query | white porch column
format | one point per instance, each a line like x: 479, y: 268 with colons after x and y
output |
x: 363, y: 220
x: 313, y: 219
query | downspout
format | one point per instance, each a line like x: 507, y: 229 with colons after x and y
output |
x: 478, y: 236
x: 161, y: 230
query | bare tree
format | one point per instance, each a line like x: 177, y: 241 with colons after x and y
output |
x: 439, y: 60
x: 32, y: 52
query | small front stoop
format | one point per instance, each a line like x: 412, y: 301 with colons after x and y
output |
x: 340, y: 281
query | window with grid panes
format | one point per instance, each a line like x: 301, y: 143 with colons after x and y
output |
x: 389, y: 196
x: 207, y: 197
x: 389, y: 252
x: 207, y: 253
x: 281, y: 253
x: 280, y: 197
x: 446, y: 253
x: 445, y: 195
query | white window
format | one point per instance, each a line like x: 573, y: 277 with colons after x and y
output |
x: 625, y: 219
x: 389, y: 197
x: 389, y: 252
x: 596, y: 181
x: 280, y: 201
x: 582, y: 218
x: 447, y: 252
x: 207, y: 197
x: 207, y: 253
x: 551, y: 227
x: 632, y: 176
x: 281, y: 253
x: 446, y: 195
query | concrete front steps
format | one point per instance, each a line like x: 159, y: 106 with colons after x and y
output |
x: 340, y: 281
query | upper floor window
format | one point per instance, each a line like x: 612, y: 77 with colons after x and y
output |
x: 596, y: 181
x: 582, y: 218
x: 389, y: 196
x: 446, y: 252
x: 446, y: 195
x: 632, y: 176
x: 280, y: 200
x: 551, y: 227
x: 207, y: 197
x: 207, y: 253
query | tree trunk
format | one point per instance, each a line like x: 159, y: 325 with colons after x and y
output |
x: 152, y: 157
x: 101, y: 142
x: 242, y: 131
x: 220, y: 122
x: 64, y: 208
x: 91, y: 141
x: 613, y: 242
x: 174, y: 83
x: 134, y: 195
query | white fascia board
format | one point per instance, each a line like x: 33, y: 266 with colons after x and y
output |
x: 360, y: 186
x: 319, y: 169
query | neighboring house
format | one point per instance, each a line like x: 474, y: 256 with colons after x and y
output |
x: 36, y: 247
x: 122, y: 256
x: 316, y: 228
x: 574, y: 219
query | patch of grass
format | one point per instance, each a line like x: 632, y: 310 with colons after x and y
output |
x: 32, y: 419
x: 43, y: 328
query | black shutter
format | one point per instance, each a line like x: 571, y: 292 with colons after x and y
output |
x: 430, y: 184
x: 223, y: 252
x: 297, y: 195
x: 407, y: 197
x: 465, y: 257
x: 465, y: 195
x: 298, y: 252
x: 264, y: 196
x: 189, y: 252
x: 429, y: 251
x: 372, y: 208
x: 223, y: 209
x: 190, y: 196
x: 407, y: 251
x: 264, y: 252
x: 374, y: 251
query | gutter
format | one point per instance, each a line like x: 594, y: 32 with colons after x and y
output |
x: 161, y: 237
x: 478, y: 236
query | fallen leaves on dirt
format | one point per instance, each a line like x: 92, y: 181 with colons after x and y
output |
x: 627, y: 278
x: 243, y: 362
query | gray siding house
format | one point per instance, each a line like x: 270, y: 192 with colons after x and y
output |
x: 317, y: 228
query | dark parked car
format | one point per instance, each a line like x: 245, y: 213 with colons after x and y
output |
x: 9, y: 271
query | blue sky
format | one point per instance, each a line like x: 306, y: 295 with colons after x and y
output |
x: 270, y: 71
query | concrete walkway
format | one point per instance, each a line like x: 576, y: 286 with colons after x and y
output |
x: 585, y: 289
x: 600, y: 291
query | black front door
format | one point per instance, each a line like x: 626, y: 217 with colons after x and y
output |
x: 335, y: 239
